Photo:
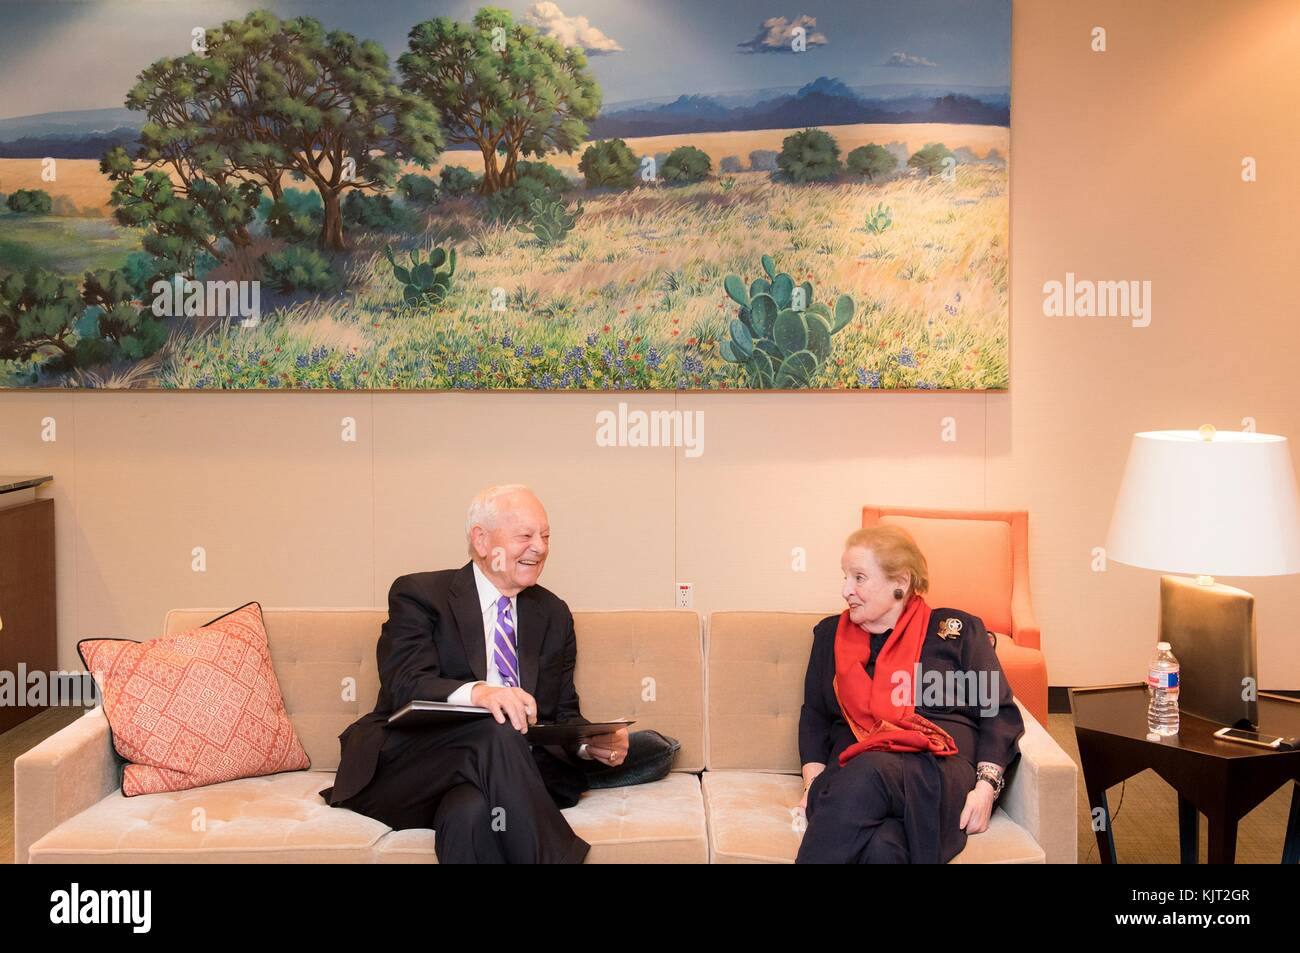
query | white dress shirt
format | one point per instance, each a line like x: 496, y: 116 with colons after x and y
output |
x: 488, y: 597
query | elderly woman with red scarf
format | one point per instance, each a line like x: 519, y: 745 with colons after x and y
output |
x: 908, y: 722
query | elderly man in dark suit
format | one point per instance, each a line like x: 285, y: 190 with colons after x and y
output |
x: 485, y: 634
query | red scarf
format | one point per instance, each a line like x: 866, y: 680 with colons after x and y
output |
x: 866, y: 701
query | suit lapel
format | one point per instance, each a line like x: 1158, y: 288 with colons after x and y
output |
x: 469, y: 620
x: 532, y: 633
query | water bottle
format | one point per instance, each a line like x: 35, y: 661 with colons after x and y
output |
x: 1162, y: 683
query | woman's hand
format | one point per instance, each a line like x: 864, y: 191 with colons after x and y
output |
x: 979, y: 808
x: 810, y: 772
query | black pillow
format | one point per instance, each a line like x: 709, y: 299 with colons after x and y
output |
x: 650, y: 757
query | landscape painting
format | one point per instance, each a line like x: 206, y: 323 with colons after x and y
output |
x: 645, y: 195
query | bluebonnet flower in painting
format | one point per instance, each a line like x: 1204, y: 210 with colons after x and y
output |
x: 237, y: 369
x: 493, y: 367
x: 591, y: 339
x: 608, y: 355
x: 201, y: 383
x: 507, y: 341
x: 906, y: 358
x: 519, y: 351
x: 273, y: 381
x: 924, y: 385
x: 692, y: 364
x: 451, y: 368
x: 652, y: 359
x: 467, y: 364
x: 868, y: 378
x: 536, y: 351
x: 301, y: 362
x: 336, y: 378
x: 622, y: 348
x: 574, y: 355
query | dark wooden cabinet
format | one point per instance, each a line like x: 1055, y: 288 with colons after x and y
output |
x: 28, y: 631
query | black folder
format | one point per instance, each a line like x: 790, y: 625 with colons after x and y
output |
x: 423, y: 714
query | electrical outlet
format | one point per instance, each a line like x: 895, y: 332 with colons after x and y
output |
x: 685, y: 595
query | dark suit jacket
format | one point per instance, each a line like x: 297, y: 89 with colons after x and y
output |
x: 823, y: 732
x: 433, y: 642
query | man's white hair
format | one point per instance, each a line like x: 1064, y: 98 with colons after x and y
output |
x: 483, y: 508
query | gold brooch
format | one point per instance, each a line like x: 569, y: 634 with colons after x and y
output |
x: 949, y: 628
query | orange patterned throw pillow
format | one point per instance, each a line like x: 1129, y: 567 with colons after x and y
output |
x: 195, y: 708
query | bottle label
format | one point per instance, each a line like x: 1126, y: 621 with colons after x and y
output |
x: 1165, y: 680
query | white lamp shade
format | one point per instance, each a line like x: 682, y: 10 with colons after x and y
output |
x: 1221, y: 507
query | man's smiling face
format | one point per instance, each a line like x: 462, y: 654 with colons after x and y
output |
x: 513, y: 550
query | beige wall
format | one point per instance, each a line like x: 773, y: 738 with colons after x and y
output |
x: 1126, y: 166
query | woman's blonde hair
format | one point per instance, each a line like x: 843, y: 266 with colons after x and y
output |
x: 895, y: 550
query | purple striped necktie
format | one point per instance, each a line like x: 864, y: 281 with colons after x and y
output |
x: 504, y: 652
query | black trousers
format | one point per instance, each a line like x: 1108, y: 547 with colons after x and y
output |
x: 478, y: 785
x: 887, y: 807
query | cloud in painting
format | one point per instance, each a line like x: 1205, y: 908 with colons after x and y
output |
x: 907, y: 61
x: 776, y: 33
x: 571, y: 31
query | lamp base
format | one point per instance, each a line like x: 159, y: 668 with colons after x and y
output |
x: 1211, y: 629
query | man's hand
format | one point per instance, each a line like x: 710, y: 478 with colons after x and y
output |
x: 979, y: 808
x: 513, y: 703
x: 609, y: 748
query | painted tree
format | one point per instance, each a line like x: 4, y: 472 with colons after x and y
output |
x: 324, y: 105
x: 502, y: 87
x: 932, y: 159
x: 177, y: 183
x: 871, y: 161
x: 264, y: 97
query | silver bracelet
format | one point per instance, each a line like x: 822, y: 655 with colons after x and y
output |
x: 993, y: 776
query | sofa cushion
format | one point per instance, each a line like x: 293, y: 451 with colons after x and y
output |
x: 756, y: 667
x: 657, y: 823
x: 195, y: 708
x: 751, y: 819
x: 274, y: 819
x: 646, y: 666
x: 281, y: 819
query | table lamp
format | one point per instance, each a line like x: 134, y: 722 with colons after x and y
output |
x: 1209, y: 503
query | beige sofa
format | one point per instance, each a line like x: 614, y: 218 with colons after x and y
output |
x: 740, y: 722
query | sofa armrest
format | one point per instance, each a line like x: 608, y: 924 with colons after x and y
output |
x: 61, y: 777
x: 1042, y: 793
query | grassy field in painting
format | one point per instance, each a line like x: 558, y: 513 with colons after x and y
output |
x: 633, y: 298
x: 67, y: 245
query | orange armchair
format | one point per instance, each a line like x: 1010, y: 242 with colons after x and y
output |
x: 979, y: 562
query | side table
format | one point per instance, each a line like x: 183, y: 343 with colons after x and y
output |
x: 1223, y: 780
